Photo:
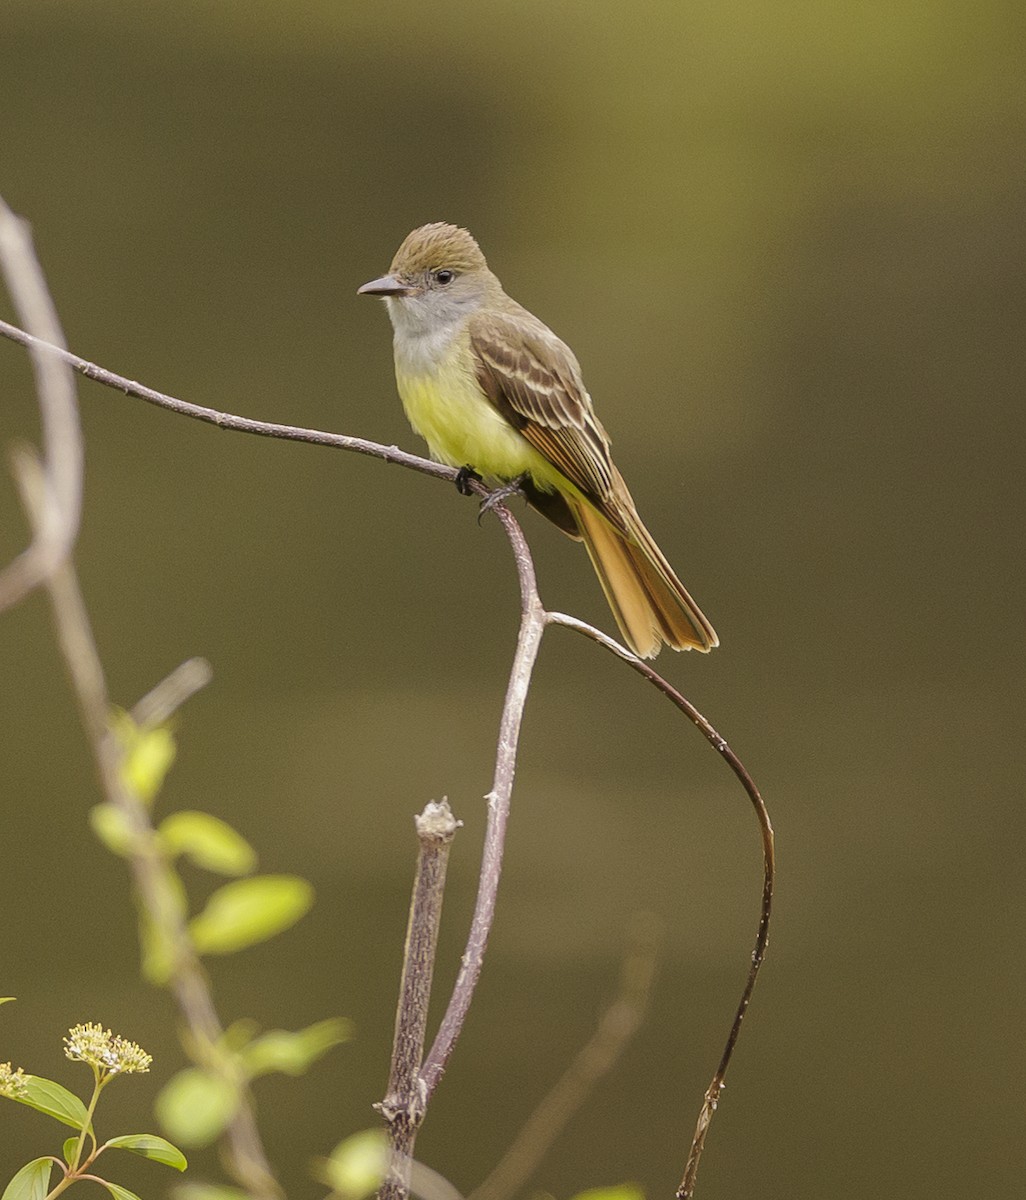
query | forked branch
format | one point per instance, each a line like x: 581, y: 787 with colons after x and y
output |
x: 405, y: 1101
x: 532, y: 626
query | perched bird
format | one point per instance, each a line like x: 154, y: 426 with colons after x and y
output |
x: 492, y: 390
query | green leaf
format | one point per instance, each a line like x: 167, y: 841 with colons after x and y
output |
x: 622, y: 1191
x: 158, y: 951
x: 238, y: 1035
x: 357, y: 1166
x: 148, y: 1145
x: 195, y: 1106
x: 6, y: 999
x: 147, y: 755
x: 208, y: 842
x: 70, y: 1146
x: 249, y: 911
x: 32, y: 1182
x: 118, y: 1192
x: 293, y: 1053
x: 111, y: 828
x: 56, y: 1101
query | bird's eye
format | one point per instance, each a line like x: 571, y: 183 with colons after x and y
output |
x: 444, y: 277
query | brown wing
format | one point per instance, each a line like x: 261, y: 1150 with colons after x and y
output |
x: 534, y: 380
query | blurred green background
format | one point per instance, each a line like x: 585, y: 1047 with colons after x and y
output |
x: 786, y: 242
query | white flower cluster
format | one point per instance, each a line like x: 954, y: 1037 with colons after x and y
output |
x: 12, y: 1083
x: 106, y: 1051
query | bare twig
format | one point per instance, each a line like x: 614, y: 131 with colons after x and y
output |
x: 60, y: 503
x: 405, y: 1103
x: 532, y: 626
x: 226, y: 420
x: 171, y: 693
x: 617, y: 1025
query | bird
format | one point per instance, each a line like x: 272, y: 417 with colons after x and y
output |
x: 495, y: 393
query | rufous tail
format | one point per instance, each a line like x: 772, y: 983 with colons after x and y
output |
x: 649, y: 602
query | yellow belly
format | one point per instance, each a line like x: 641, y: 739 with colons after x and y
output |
x: 451, y: 413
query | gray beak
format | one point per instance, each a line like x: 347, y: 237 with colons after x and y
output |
x: 387, y: 285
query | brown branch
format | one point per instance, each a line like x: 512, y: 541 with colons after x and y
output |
x: 60, y: 502
x: 532, y: 626
x: 405, y: 1103
x: 225, y: 420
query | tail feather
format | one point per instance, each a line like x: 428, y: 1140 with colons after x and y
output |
x: 649, y: 602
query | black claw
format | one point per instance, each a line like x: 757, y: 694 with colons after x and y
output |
x: 501, y: 495
x: 463, y: 479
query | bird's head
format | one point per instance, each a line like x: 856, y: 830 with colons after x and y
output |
x: 438, y: 278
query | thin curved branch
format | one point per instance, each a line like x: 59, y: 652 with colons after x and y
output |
x: 61, y: 502
x: 719, y: 743
x: 225, y: 420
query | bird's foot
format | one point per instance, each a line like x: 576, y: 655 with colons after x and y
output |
x: 464, y: 476
x: 515, y: 487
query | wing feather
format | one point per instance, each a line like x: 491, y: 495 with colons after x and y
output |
x: 534, y: 380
